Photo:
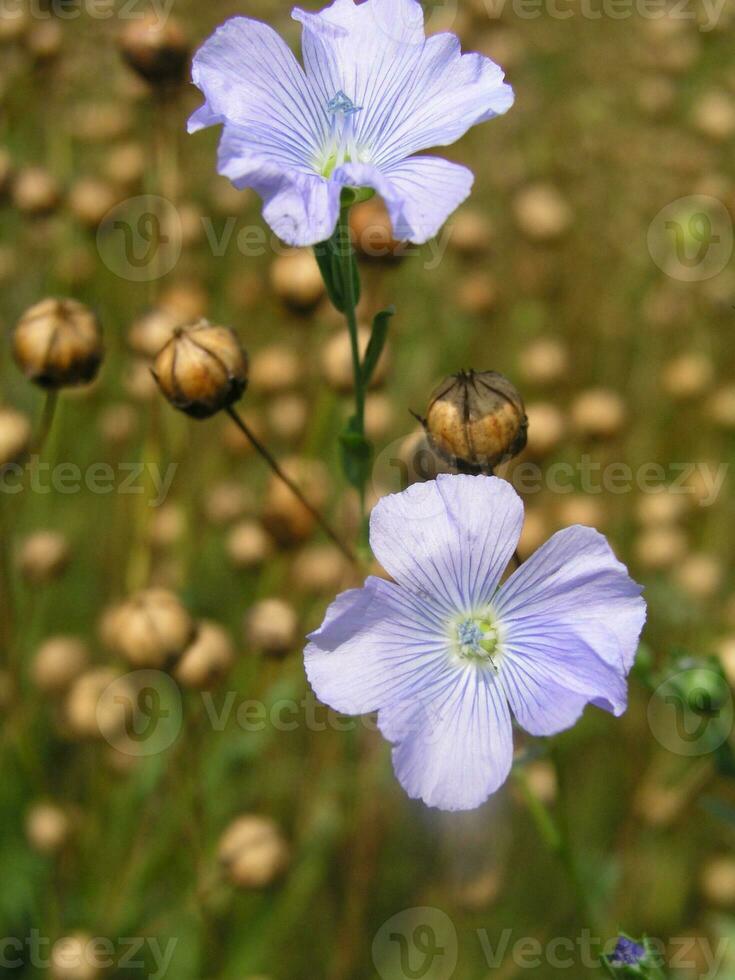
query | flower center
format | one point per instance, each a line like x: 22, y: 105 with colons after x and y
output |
x: 340, y: 146
x: 477, y: 638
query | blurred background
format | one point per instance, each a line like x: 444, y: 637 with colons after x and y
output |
x: 174, y: 803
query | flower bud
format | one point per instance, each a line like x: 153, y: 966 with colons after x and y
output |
x: 58, y: 661
x: 202, y: 369
x: 631, y: 958
x: 43, y: 557
x: 156, y: 48
x: 253, y: 852
x: 476, y: 420
x: 207, y: 659
x: 58, y: 342
x: 271, y: 627
x: 15, y: 436
x: 150, y: 629
x: 47, y: 828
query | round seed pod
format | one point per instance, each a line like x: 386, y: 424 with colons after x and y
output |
x: 470, y: 233
x: 379, y: 416
x: 202, y: 369
x: 248, y: 545
x: 658, y: 548
x: 90, y: 199
x: 226, y: 502
x: 718, y: 881
x: 297, y: 281
x: 699, y: 575
x: 156, y: 48
x: 534, y: 532
x: 58, y: 342
x: 372, y: 232
x: 284, y: 516
x: 43, y: 556
x: 714, y: 116
x: 288, y: 416
x: 598, y: 413
x: 337, y: 361
x: 151, y: 629
x: 125, y: 164
x: 139, y: 382
x: 687, y: 376
x: 477, y: 294
x: 581, y: 508
x: 75, y: 957
x: 207, y: 659
x: 544, y: 362
x: 320, y: 569
x: 118, y: 423
x: 35, y: 192
x: 189, y: 300
x: 271, y: 627
x: 58, y: 662
x: 275, y: 369
x: 14, y: 23
x: 542, y: 213
x: 656, y: 509
x: 720, y: 407
x: 475, y: 420
x: 15, y: 436
x: 86, y: 713
x: 253, y: 852
x: 47, y: 828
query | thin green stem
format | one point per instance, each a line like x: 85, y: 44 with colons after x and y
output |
x: 47, y: 421
x: 347, y: 258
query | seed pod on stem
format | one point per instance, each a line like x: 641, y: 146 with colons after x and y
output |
x: 58, y: 343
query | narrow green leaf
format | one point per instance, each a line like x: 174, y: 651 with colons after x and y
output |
x: 331, y: 274
x: 378, y: 337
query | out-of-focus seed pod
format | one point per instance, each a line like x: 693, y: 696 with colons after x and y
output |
x: 58, y: 342
x: 76, y: 957
x: 275, y: 369
x: 14, y: 22
x: 156, y: 48
x: 699, y: 575
x: 581, y: 508
x: 477, y: 294
x: 125, y: 164
x: 598, y: 413
x: 541, y: 776
x: 253, y: 852
x: 118, y: 423
x: 57, y: 662
x: 687, y: 376
x: 718, y: 881
x: 544, y: 361
x: 6, y: 170
x: 226, y: 502
x: 99, y: 123
x: 658, y: 548
x: 542, y: 213
x: 44, y: 41
x: 90, y: 199
x: 87, y: 714
x: 138, y: 381
x: 296, y: 280
x: 721, y: 407
x: 379, y: 416
x: 150, y: 629
x: 47, y: 828
x: 284, y: 516
x: 271, y: 627
x: 714, y: 115
x: 188, y: 300
x: 248, y: 545
x: 475, y: 420
x: 336, y: 361
x: 43, y: 556
x: 534, y: 532
x: 372, y: 232
x: 207, y: 659
x: 15, y: 436
x: 35, y: 192
x: 288, y: 416
x: 202, y: 369
x: 320, y: 569
x: 167, y: 526
x: 470, y: 233
x: 665, y: 507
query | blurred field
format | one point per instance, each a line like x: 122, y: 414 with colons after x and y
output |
x: 551, y: 275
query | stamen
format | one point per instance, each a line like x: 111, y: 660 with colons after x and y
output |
x: 342, y: 145
x: 341, y: 103
x: 478, y: 639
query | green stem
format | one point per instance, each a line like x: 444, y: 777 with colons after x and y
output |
x: 347, y: 258
x: 47, y: 421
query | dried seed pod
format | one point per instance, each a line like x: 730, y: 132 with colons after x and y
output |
x: 372, y: 232
x: 253, y: 852
x: 296, y: 280
x: 151, y: 629
x: 202, y: 369
x: 76, y: 957
x: 542, y: 213
x: 58, y: 342
x: 271, y: 627
x: 43, y: 557
x: 58, y: 662
x: 337, y: 367
x: 476, y: 420
x: 90, y: 199
x: 87, y: 714
x: 206, y: 661
x: 47, y: 828
x: 276, y: 369
x: 15, y: 435
x: 248, y: 544
x: 36, y: 192
x: 599, y: 413
x: 284, y: 516
x: 156, y: 48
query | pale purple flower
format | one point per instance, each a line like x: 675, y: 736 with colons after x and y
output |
x: 445, y: 653
x: 372, y: 92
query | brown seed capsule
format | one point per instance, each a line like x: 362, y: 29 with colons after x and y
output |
x: 284, y: 516
x: 296, y: 280
x: 542, y: 213
x: 15, y: 436
x: 288, y: 416
x: 475, y: 420
x: 469, y: 233
x: 156, y: 48
x: 337, y: 367
x: 76, y: 957
x: 253, y: 851
x: 58, y: 661
x: 151, y: 629
x: 372, y: 232
x: 58, y: 342
x: 226, y: 502
x: 202, y: 369
x: 35, y: 192
x: 47, y: 828
x: 271, y: 627
x: 90, y: 715
x: 276, y: 369
x: 90, y: 199
x: 43, y: 557
x: 598, y: 413
x: 207, y: 660
x: 248, y: 545
x: 320, y: 569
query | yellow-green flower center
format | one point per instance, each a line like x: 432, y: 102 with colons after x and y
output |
x: 477, y: 639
